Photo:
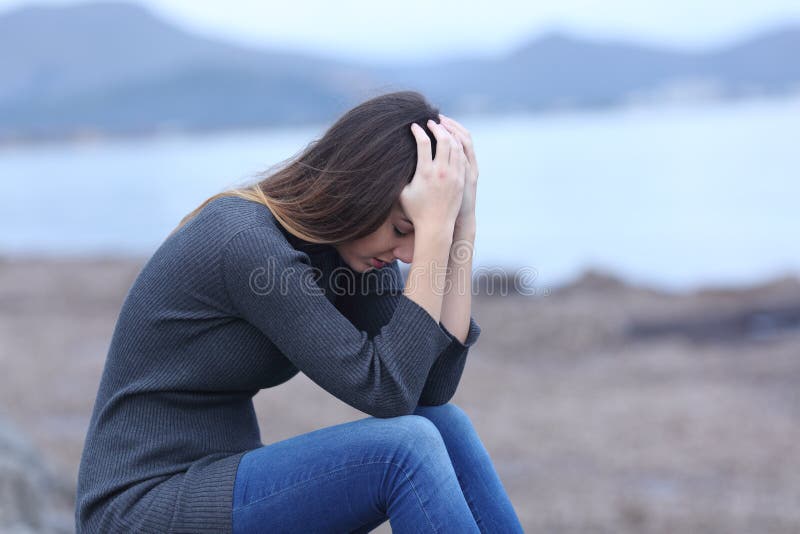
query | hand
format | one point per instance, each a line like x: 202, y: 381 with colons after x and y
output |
x: 434, y: 195
x: 466, y: 214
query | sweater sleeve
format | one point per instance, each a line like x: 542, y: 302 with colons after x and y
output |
x: 371, y: 304
x: 273, y: 286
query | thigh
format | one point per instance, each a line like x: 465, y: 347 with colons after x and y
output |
x: 334, y: 479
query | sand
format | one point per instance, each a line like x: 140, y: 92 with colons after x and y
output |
x: 605, y: 407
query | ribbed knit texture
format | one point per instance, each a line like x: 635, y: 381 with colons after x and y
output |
x: 231, y: 304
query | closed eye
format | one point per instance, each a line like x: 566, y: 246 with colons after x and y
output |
x: 398, y: 232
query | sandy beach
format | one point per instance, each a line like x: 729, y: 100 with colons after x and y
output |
x: 607, y: 408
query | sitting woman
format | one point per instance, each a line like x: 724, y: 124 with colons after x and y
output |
x: 299, y: 272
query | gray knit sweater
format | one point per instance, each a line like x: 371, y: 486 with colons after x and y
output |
x: 228, y: 305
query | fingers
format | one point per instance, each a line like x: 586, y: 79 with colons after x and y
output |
x: 449, y: 150
x: 462, y: 134
x: 459, y: 131
x: 424, y: 157
x: 458, y: 155
x: 453, y: 124
x: 444, y: 142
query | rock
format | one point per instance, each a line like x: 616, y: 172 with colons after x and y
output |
x: 26, y: 487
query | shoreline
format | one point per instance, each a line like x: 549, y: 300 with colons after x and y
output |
x: 156, y: 132
x: 515, y: 276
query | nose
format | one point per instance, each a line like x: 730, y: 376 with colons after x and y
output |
x: 404, y: 253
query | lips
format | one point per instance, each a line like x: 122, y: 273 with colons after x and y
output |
x: 377, y: 263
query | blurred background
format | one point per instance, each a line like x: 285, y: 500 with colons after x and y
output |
x: 637, y: 267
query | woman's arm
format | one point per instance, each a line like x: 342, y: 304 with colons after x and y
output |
x: 457, y: 302
x: 272, y: 285
x: 456, y: 319
x: 369, y: 304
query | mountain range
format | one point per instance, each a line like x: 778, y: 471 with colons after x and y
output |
x: 114, y: 68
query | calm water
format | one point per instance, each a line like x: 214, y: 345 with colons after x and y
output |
x: 676, y: 197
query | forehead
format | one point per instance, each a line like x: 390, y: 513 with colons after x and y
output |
x: 397, y: 208
x: 397, y: 211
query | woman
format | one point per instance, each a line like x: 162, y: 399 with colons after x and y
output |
x: 233, y: 302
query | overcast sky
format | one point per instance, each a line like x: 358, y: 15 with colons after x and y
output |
x: 416, y: 29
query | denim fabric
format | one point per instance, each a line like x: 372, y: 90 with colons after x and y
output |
x: 425, y: 472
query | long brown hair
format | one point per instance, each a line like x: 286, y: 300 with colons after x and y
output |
x: 342, y: 186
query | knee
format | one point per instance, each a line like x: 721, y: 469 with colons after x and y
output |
x: 448, y: 416
x: 450, y: 411
x: 413, y: 433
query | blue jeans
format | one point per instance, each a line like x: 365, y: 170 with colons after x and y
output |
x: 426, y: 472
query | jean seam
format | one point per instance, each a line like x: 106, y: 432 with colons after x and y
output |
x: 470, y: 501
x: 341, y: 468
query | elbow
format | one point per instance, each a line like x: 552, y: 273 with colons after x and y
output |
x: 431, y: 400
x: 388, y: 414
x: 385, y: 410
x: 436, y: 396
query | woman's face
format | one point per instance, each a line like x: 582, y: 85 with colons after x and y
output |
x: 384, y: 244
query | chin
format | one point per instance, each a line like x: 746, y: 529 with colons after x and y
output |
x: 359, y: 267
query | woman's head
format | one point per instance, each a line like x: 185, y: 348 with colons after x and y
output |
x: 343, y: 188
x: 393, y: 239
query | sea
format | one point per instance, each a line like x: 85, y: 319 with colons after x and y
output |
x: 675, y: 196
